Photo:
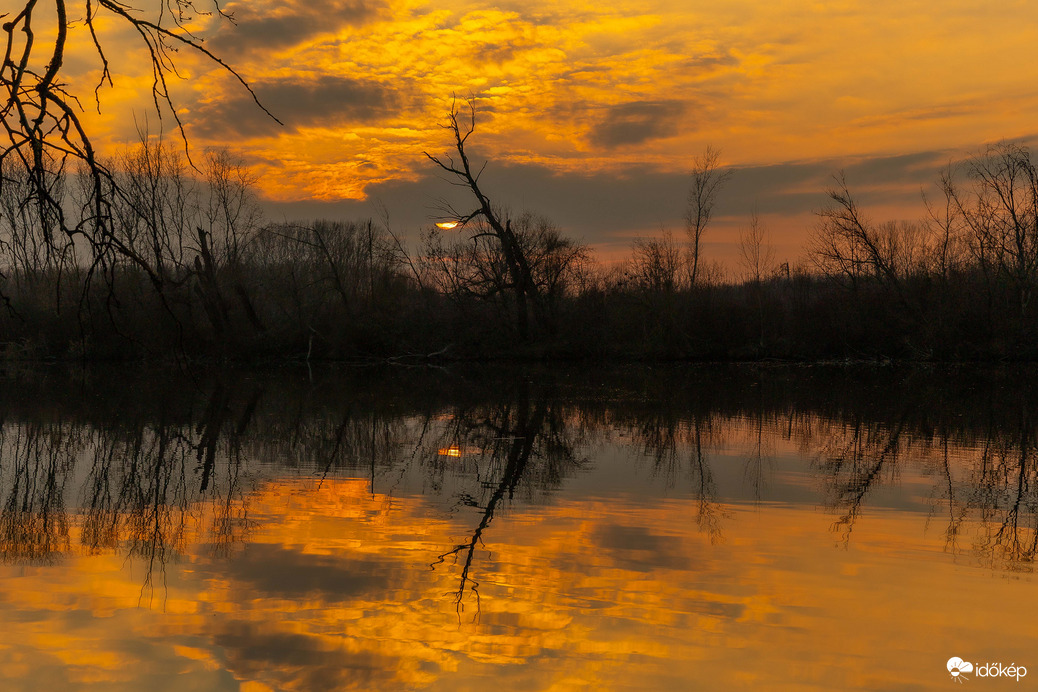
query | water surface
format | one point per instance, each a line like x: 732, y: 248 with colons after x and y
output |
x: 635, y: 529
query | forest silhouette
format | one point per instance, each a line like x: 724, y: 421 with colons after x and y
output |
x: 204, y: 276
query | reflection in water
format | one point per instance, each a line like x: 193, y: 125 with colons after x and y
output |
x: 984, y: 480
x: 510, y: 435
x: 637, y: 530
x: 134, y: 484
x: 34, y: 525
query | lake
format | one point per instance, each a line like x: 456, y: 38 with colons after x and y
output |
x: 474, y: 528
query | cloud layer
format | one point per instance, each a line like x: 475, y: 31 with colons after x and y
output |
x: 590, y: 90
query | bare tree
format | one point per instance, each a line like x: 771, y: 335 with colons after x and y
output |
x: 707, y: 180
x: 521, y: 281
x: 855, y: 252
x: 945, y: 224
x: 33, y: 260
x: 758, y: 257
x: 1000, y: 215
x: 476, y: 267
x: 656, y: 264
x: 847, y: 247
x: 45, y: 136
x: 192, y: 230
x: 553, y: 259
x: 757, y: 254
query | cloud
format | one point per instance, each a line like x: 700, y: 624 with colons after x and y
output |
x: 297, y: 102
x: 608, y: 209
x: 266, y: 26
x: 637, y: 122
x: 587, y: 206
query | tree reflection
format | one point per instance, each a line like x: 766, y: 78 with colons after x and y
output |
x: 1004, y: 487
x: 984, y: 470
x: 857, y: 457
x: 141, y: 480
x: 147, y: 468
x: 522, y: 438
x: 678, y: 445
x: 34, y: 524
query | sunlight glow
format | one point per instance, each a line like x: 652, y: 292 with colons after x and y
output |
x: 448, y: 225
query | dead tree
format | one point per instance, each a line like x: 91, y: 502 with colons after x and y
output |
x: 520, y: 278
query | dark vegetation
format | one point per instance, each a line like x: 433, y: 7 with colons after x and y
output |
x: 204, y: 276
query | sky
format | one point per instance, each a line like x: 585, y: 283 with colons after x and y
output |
x: 590, y: 113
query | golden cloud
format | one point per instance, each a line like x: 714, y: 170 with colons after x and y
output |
x: 581, y: 87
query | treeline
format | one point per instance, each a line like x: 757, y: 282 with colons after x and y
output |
x: 197, y: 273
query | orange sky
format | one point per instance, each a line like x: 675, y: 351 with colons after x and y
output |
x: 592, y: 112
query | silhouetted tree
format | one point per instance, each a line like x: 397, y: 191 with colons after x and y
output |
x: 1000, y: 212
x: 757, y: 258
x: 757, y: 254
x: 707, y: 180
x: 849, y: 248
x: 656, y: 264
x: 45, y: 137
x: 517, y: 263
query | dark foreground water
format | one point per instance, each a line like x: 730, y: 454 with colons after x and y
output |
x: 634, y: 529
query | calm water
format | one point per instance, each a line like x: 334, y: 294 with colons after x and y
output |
x: 640, y: 529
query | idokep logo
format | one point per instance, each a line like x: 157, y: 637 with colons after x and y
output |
x: 958, y: 668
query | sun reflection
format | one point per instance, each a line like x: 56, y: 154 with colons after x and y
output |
x: 452, y: 451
